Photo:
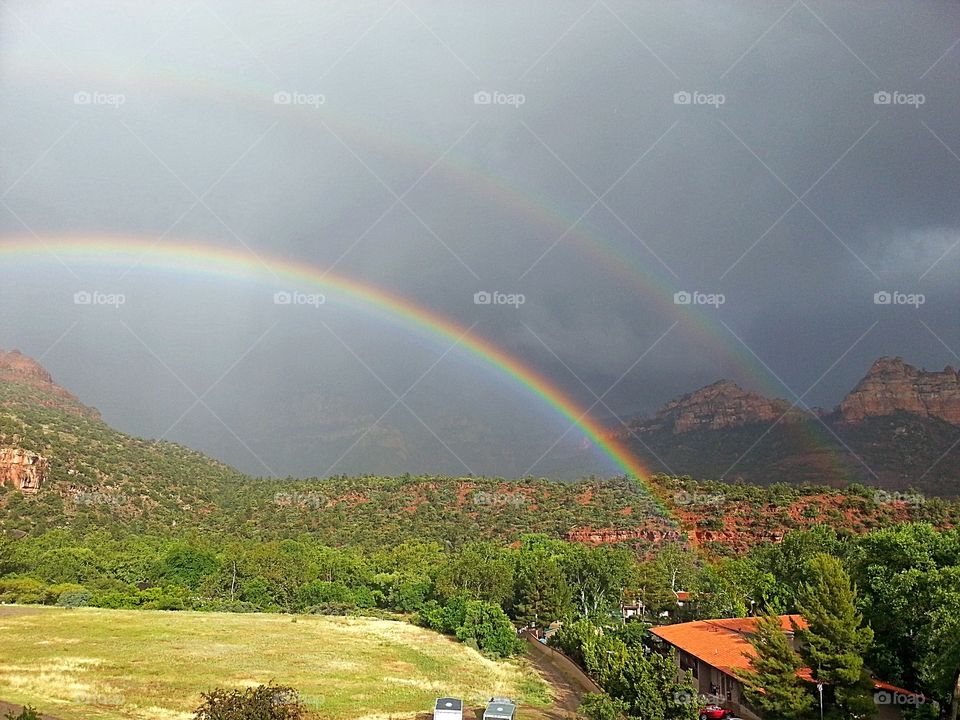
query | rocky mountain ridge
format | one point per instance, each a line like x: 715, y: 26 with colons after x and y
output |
x: 890, y: 386
x: 17, y: 368
x: 898, y: 429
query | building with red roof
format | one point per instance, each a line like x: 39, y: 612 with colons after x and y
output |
x: 715, y: 652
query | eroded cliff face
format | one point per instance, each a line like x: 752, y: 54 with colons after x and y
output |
x: 892, y: 385
x: 715, y: 407
x: 22, y: 470
x: 607, y: 536
x: 18, y: 368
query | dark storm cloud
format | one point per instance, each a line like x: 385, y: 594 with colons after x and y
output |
x: 587, y: 183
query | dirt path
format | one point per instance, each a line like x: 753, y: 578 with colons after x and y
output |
x: 568, y: 682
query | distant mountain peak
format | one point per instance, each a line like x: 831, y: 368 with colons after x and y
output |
x: 720, y: 405
x: 16, y: 368
x: 892, y: 385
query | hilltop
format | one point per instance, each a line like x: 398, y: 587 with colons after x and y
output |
x: 98, y: 477
x: 898, y: 429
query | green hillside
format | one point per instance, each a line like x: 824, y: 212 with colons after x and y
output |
x: 101, y: 478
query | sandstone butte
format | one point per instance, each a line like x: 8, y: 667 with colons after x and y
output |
x: 890, y: 386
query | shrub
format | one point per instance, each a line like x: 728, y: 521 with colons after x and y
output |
x: 330, y: 608
x: 74, y: 598
x: 24, y: 590
x: 444, y: 618
x: 28, y: 713
x: 115, y: 600
x: 321, y: 592
x: 598, y: 706
x: 489, y: 626
x: 266, y: 702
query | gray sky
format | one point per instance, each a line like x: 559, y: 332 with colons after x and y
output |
x: 587, y: 184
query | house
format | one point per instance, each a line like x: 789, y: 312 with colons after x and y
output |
x: 636, y: 610
x: 716, y: 651
x: 550, y: 631
x: 500, y: 708
x: 448, y: 709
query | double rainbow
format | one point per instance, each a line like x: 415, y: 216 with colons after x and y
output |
x: 222, y: 262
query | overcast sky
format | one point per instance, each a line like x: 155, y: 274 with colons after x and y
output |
x: 789, y: 159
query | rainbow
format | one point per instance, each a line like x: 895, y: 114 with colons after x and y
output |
x: 624, y: 261
x: 221, y: 262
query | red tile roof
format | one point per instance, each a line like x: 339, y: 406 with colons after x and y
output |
x: 721, y: 643
x: 881, y: 685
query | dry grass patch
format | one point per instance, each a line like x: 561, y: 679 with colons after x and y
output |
x: 92, y: 664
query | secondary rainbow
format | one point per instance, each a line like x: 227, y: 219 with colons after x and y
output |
x: 208, y: 260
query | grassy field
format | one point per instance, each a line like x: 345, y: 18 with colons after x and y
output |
x: 91, y: 664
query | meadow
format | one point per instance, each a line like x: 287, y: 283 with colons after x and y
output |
x: 95, y: 664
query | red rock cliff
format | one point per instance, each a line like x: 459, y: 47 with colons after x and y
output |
x: 22, y: 470
x: 18, y: 368
x: 892, y: 385
x: 721, y: 405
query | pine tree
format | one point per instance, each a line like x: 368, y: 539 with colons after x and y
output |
x: 772, y: 686
x: 836, y: 641
x: 542, y: 593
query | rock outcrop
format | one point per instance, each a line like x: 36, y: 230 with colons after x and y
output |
x: 607, y: 536
x: 18, y: 368
x: 892, y: 385
x: 22, y: 470
x: 723, y: 404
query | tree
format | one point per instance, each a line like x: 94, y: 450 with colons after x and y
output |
x: 8, y: 561
x: 597, y: 577
x: 600, y: 706
x: 187, y: 566
x: 772, y: 686
x: 277, y: 570
x: 648, y: 683
x: 542, y: 593
x: 487, y: 625
x: 481, y: 570
x: 835, y: 641
x: 939, y: 642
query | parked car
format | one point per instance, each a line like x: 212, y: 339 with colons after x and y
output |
x: 714, y: 712
x: 448, y: 709
x: 500, y: 708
